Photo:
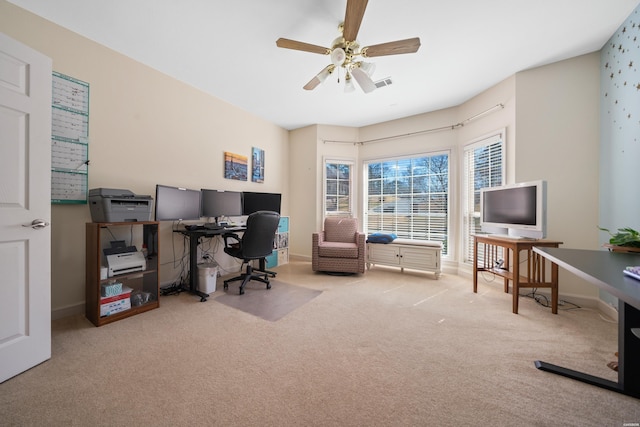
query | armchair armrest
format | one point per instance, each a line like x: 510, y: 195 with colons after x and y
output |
x: 361, y: 240
x: 317, y: 237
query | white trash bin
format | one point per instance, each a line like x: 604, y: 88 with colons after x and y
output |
x: 207, y: 276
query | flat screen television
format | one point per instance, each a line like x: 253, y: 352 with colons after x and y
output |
x: 177, y: 204
x: 515, y: 210
x: 217, y: 203
x: 253, y: 202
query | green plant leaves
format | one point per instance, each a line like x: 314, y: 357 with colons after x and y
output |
x: 624, y: 237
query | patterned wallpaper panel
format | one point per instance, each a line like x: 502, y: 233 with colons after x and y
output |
x: 620, y: 131
x: 621, y: 82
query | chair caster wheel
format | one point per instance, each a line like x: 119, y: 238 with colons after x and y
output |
x: 203, y: 299
x: 241, y: 291
x: 268, y: 285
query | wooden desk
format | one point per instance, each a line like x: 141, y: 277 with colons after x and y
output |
x: 604, y: 269
x: 533, y: 276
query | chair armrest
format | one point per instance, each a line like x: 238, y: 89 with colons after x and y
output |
x: 228, y: 236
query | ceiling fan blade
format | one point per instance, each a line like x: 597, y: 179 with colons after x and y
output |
x: 305, y: 47
x: 366, y: 84
x: 313, y: 83
x: 320, y: 77
x: 353, y: 18
x: 392, y: 48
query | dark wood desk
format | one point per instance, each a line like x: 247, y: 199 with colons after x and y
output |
x: 533, y: 276
x: 604, y: 269
x: 194, y: 242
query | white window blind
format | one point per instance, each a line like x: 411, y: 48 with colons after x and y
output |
x: 484, y: 166
x: 409, y: 197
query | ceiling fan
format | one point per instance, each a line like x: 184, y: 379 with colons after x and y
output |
x: 345, y: 51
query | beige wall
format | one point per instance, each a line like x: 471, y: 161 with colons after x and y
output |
x: 145, y: 128
x: 303, y: 169
x: 558, y: 140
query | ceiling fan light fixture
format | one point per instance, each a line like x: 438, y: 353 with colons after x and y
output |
x: 368, y: 67
x: 338, y: 56
x: 348, y: 84
x: 366, y: 84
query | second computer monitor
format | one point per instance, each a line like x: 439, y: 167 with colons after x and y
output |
x: 216, y: 203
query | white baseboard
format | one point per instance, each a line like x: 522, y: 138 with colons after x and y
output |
x: 608, y: 310
x: 70, y: 310
x: 294, y: 257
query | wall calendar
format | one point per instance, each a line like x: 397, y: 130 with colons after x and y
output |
x: 69, y: 140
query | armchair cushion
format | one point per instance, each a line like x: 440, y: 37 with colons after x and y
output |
x: 338, y: 250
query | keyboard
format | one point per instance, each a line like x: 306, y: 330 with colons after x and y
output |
x: 193, y: 227
x: 207, y: 226
x: 211, y: 226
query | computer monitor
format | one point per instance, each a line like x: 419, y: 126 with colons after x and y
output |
x: 253, y: 202
x: 217, y: 203
x: 177, y: 204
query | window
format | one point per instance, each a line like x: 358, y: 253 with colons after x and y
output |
x: 409, y: 197
x: 338, y: 186
x: 484, y: 162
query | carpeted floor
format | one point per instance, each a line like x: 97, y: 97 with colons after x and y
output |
x: 380, y: 349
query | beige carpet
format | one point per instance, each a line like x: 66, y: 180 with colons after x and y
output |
x: 381, y: 349
x: 269, y: 304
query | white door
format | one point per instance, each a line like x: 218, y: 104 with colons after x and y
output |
x: 25, y: 197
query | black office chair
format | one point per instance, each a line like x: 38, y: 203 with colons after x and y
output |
x: 255, y: 244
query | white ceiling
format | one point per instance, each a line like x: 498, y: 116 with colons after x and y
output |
x: 227, y: 48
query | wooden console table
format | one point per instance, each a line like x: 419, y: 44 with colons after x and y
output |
x: 508, y: 266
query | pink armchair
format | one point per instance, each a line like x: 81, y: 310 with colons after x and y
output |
x: 339, y: 248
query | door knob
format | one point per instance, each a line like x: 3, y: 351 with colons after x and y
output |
x: 37, y: 224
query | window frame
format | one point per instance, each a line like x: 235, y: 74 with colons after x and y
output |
x: 471, y: 190
x: 352, y: 170
x: 430, y: 197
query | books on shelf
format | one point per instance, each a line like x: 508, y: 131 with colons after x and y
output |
x: 633, y: 272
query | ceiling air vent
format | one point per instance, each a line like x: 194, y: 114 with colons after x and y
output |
x: 384, y: 82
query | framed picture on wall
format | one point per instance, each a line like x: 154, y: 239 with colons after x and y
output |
x: 235, y: 166
x: 257, y: 165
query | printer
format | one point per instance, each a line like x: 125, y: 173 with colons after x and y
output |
x: 127, y: 262
x: 114, y: 205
